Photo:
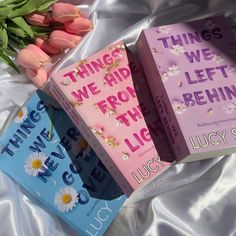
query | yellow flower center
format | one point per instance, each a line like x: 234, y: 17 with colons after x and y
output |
x: 36, y: 164
x: 20, y: 114
x: 66, y: 198
x: 83, y: 144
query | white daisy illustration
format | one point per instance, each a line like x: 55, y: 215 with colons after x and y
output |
x: 21, y: 115
x: 210, y: 24
x: 35, y: 163
x: 232, y: 69
x: 177, y: 49
x: 93, y: 130
x: 164, y: 77
x: 178, y: 107
x: 173, y: 70
x: 66, y: 199
x: 229, y: 108
x: 163, y: 29
x: 110, y: 113
x: 119, y: 123
x: 125, y: 156
x: 217, y: 59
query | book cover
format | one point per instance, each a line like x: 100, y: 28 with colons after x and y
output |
x: 44, y: 152
x: 190, y: 69
x: 107, y: 97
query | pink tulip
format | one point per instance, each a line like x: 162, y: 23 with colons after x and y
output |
x: 46, y: 47
x: 38, y: 19
x: 40, y: 53
x: 79, y: 26
x: 38, y: 77
x: 32, y: 57
x: 60, y: 39
x: 63, y: 12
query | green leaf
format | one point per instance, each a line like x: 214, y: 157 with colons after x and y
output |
x: 4, y: 11
x: 7, y: 60
x: 20, y: 22
x: 10, y: 52
x: 17, y: 31
x: 46, y: 5
x: 17, y: 41
x: 8, y: 2
x: 13, y: 48
x: 4, y: 37
x: 25, y: 9
x: 39, y: 29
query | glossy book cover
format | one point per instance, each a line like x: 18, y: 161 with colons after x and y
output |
x: 107, y: 98
x: 190, y: 68
x: 46, y: 154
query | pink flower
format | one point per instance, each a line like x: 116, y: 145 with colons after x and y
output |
x: 79, y: 26
x: 32, y: 57
x: 46, y: 47
x: 41, y: 55
x: 63, y: 12
x: 37, y: 19
x: 38, y: 77
x: 60, y: 39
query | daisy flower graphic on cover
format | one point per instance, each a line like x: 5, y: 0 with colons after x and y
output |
x: 217, y: 59
x: 163, y: 29
x: 173, y: 70
x: 229, y: 108
x: 35, y: 163
x: 164, y: 77
x: 21, y: 115
x: 232, y: 69
x: 178, y: 107
x: 66, y: 199
x: 177, y: 49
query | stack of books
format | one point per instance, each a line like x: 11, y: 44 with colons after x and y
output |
x: 119, y: 128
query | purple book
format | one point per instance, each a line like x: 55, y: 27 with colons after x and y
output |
x: 190, y: 68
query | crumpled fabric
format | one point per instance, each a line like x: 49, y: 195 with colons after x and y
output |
x: 196, y: 199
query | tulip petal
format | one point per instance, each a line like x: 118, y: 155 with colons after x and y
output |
x: 28, y: 59
x: 37, y: 19
x: 79, y: 26
x: 42, y: 57
x: 60, y: 39
x: 46, y: 47
x: 63, y: 12
x: 38, y: 77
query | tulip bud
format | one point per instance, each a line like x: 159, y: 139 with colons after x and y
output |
x: 38, y: 77
x: 60, y: 39
x: 32, y: 57
x: 43, y: 57
x: 79, y: 26
x: 63, y: 12
x: 37, y: 19
x: 46, y: 47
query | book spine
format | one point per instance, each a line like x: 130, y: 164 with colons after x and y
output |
x: 94, y: 143
x: 162, y: 102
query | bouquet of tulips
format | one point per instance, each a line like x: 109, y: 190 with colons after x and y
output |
x: 32, y: 31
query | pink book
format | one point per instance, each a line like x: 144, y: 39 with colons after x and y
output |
x: 190, y: 68
x: 108, y: 99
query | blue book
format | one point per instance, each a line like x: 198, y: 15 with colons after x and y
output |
x: 46, y: 154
